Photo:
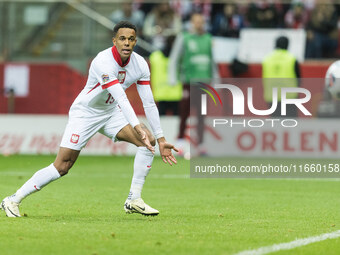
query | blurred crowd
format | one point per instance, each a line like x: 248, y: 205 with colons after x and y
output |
x: 157, y: 21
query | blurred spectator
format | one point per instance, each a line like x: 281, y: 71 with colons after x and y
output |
x: 145, y: 7
x: 263, y: 14
x: 184, y: 8
x: 296, y: 16
x: 204, y: 7
x: 322, y: 31
x: 127, y: 13
x: 160, y: 23
x: 308, y: 4
x: 280, y: 69
x: 192, y: 54
x: 228, y: 22
x: 165, y: 94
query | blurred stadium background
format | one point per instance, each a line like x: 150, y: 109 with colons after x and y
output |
x: 45, y: 51
x: 46, y: 48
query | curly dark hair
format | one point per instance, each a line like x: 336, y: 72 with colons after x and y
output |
x: 123, y: 24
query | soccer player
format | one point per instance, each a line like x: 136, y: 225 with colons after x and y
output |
x: 102, y: 106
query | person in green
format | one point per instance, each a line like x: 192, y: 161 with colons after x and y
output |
x: 191, y: 58
x: 166, y: 95
x: 280, y: 69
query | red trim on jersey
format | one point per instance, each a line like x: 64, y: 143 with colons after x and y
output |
x: 97, y: 85
x: 111, y: 83
x: 143, y: 82
x: 117, y: 57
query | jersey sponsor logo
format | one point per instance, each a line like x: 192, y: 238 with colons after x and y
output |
x: 105, y: 78
x: 121, y: 76
x: 74, y: 138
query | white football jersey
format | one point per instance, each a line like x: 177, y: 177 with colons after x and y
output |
x: 107, y: 70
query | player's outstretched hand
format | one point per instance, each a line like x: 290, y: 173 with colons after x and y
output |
x: 145, y: 139
x: 166, y: 153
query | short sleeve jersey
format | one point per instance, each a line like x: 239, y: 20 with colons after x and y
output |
x: 106, y: 70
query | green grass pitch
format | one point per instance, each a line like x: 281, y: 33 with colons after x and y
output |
x: 82, y: 213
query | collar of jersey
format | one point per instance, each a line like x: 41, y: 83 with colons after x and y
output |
x: 116, y: 56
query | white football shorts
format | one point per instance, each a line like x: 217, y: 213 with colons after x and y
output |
x: 80, y: 129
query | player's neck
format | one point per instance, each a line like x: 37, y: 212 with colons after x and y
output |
x: 198, y: 31
x: 124, y: 60
x: 121, y: 61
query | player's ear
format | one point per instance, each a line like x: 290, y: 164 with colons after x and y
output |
x: 114, y: 41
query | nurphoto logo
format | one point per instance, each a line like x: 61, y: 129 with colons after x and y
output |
x: 239, y: 103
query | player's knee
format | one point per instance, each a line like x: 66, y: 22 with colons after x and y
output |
x: 64, y: 167
x: 152, y: 140
x: 150, y: 136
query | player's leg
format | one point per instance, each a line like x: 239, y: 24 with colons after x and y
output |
x: 128, y: 134
x: 77, y: 133
x: 141, y: 168
x: 118, y: 128
x: 143, y: 159
x: 64, y: 161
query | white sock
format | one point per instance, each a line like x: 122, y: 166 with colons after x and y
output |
x: 36, y: 183
x: 141, y: 168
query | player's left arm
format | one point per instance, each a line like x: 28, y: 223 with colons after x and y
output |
x: 152, y: 115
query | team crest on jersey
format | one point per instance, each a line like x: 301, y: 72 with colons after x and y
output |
x: 105, y: 78
x: 121, y: 76
x: 74, y: 138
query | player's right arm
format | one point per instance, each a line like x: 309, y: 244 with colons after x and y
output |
x: 109, y: 82
x: 118, y: 93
